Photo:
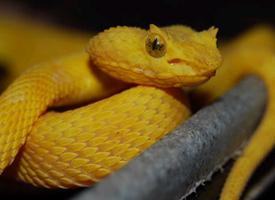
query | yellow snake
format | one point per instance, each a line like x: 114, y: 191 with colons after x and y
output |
x: 81, y: 146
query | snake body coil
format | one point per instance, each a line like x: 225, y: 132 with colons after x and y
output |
x: 80, y: 146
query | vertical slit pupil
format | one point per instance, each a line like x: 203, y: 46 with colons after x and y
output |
x: 155, y: 44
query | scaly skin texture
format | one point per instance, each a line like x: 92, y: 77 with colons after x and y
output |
x: 81, y: 146
x: 60, y: 82
x: 196, y: 54
x: 101, y: 137
x: 252, y: 53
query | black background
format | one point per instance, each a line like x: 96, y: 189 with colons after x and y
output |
x: 231, y: 17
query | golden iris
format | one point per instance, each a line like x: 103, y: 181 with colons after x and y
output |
x: 155, y: 45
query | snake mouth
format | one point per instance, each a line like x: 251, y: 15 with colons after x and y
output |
x: 191, y: 69
x: 186, y: 66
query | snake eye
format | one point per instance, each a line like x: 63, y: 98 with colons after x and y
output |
x: 155, y: 45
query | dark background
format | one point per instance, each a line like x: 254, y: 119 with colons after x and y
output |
x: 231, y: 17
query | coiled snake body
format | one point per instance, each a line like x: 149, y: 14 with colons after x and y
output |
x: 81, y: 146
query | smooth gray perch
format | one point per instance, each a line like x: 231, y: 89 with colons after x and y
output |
x: 176, y: 165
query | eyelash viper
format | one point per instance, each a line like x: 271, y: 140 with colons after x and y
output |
x: 50, y: 151
x: 81, y: 146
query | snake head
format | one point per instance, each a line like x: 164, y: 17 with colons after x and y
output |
x: 171, y: 56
